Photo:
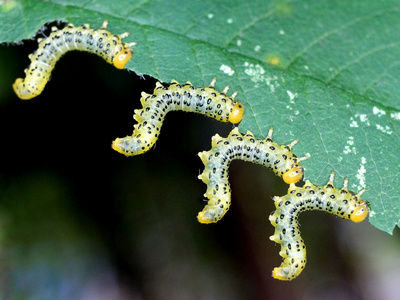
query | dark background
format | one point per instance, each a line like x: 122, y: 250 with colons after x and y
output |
x: 80, y: 221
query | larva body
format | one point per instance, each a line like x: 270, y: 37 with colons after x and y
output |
x: 97, y: 41
x: 206, y: 101
x: 245, y: 147
x: 308, y: 197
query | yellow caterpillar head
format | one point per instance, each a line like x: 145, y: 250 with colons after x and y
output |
x: 360, y: 212
x: 237, y: 113
x: 293, y: 175
x: 122, y: 57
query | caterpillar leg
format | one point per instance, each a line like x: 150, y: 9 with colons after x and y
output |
x: 26, y: 90
x: 131, y: 145
x: 212, y: 213
x: 140, y: 142
x: 216, y: 208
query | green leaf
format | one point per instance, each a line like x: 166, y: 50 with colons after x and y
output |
x: 326, y: 72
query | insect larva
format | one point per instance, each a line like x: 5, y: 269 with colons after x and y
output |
x: 308, y: 197
x: 245, y: 147
x: 98, y: 41
x: 206, y: 101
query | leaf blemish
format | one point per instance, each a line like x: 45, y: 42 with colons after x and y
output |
x: 256, y: 72
x: 274, y: 60
x: 361, y: 174
x: 395, y: 116
x: 353, y: 123
x: 227, y: 70
x: 292, y: 96
x: 384, y: 129
x: 349, y: 147
x: 363, y: 119
x: 379, y: 112
x: 372, y: 213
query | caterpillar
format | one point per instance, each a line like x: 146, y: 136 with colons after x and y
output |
x: 98, y: 41
x: 206, y: 101
x: 342, y: 203
x: 245, y: 147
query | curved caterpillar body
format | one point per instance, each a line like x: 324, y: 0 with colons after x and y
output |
x: 206, y: 101
x: 245, y: 147
x: 309, y: 197
x: 98, y: 41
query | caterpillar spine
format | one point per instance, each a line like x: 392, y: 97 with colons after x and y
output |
x: 245, y: 147
x: 206, y: 101
x: 43, y: 60
x: 308, y: 197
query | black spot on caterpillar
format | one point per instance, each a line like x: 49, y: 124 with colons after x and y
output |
x: 98, y: 41
x: 206, y: 101
x: 309, y: 197
x: 245, y: 147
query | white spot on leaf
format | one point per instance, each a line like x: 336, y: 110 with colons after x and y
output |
x: 395, y: 116
x: 256, y: 73
x: 227, y: 70
x: 384, y: 129
x: 379, y: 112
x: 349, y: 147
x: 291, y: 96
x: 353, y: 123
x: 361, y: 174
x: 363, y: 119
